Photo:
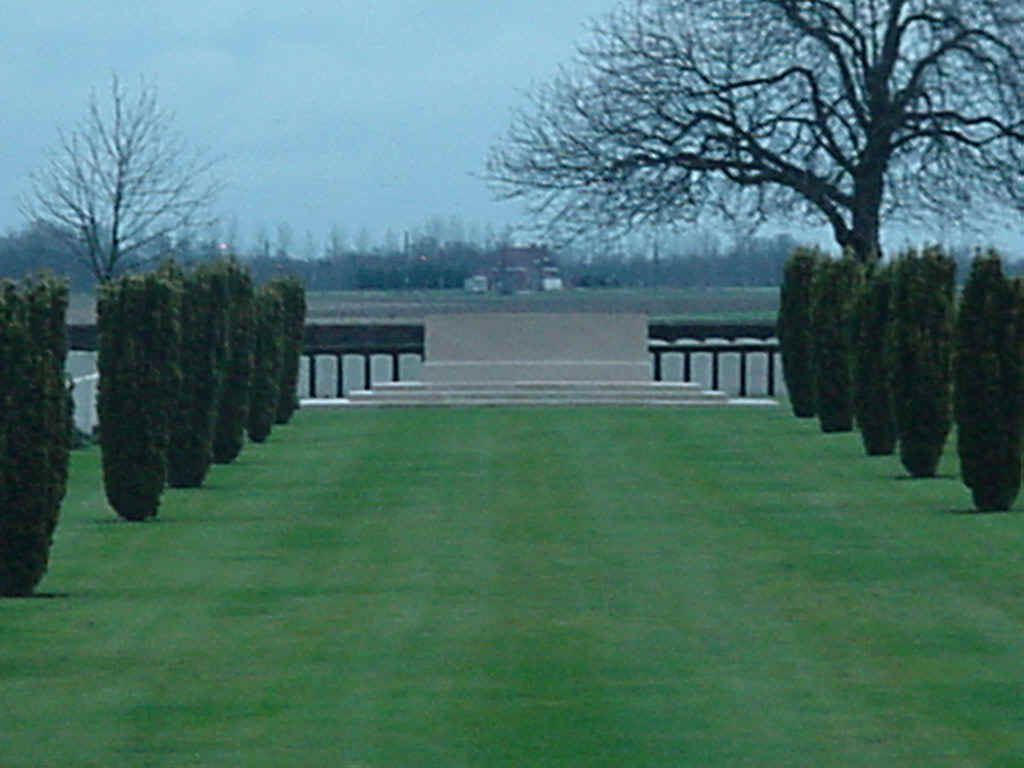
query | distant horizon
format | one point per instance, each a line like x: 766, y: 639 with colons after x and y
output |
x: 894, y: 239
x: 369, y: 121
x: 356, y: 117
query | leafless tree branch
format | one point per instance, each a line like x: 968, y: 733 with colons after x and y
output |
x: 122, y: 182
x: 854, y: 112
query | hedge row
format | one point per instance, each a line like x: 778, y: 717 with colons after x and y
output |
x: 35, y: 428
x: 883, y: 348
x: 188, y: 362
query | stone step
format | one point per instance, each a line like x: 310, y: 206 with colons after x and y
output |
x: 447, y: 399
x: 482, y: 401
x: 537, y: 393
x: 669, y: 388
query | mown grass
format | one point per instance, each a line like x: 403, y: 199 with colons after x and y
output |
x: 527, y: 587
x: 680, y: 305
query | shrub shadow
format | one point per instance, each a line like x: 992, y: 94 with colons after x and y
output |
x: 117, y: 520
x: 39, y: 596
x: 972, y: 512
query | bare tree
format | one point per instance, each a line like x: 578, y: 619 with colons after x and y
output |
x: 851, y: 112
x: 122, y: 182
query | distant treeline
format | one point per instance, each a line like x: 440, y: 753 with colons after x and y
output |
x: 426, y: 262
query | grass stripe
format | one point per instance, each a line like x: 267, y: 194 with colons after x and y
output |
x: 527, y: 587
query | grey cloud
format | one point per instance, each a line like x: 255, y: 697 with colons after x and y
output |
x: 370, y: 114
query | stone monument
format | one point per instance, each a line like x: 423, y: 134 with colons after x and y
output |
x: 528, y: 347
x: 497, y: 358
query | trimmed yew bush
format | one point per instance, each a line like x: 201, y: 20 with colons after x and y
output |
x: 35, y: 428
x: 47, y: 299
x: 988, y: 403
x: 267, y: 361
x: 233, y: 409
x: 835, y: 286
x: 872, y: 400
x: 293, y: 304
x: 138, y: 361
x: 796, y: 336
x: 920, y: 351
x: 204, y: 320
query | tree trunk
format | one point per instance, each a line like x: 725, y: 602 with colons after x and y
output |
x: 865, y: 241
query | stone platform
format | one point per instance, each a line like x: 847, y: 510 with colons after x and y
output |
x: 537, y: 393
x: 535, y: 359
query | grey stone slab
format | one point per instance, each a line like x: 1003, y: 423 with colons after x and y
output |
x: 535, y: 370
x: 495, y: 347
x: 84, y: 397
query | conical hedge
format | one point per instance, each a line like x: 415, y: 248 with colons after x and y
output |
x: 920, y: 352
x: 233, y: 409
x: 267, y: 357
x: 796, y: 336
x: 872, y: 399
x: 138, y: 361
x: 833, y: 292
x: 988, y: 399
x: 293, y: 306
x: 204, y: 339
x: 35, y: 428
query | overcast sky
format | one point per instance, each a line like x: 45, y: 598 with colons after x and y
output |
x: 368, y: 113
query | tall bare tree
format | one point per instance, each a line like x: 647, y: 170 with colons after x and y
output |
x: 122, y: 182
x: 850, y: 112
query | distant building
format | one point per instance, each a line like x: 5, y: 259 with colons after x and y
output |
x: 551, y: 283
x: 476, y: 284
x: 518, y: 268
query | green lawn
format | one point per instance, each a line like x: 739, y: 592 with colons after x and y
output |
x: 758, y: 304
x: 661, y: 304
x: 527, y: 588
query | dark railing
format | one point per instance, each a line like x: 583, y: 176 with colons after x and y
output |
x: 393, y: 341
